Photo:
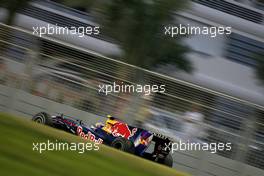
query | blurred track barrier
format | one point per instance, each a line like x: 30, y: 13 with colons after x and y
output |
x: 44, y: 74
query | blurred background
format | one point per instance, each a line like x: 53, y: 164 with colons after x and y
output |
x: 221, y: 77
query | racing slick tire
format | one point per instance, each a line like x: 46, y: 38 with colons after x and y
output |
x: 168, y: 161
x: 42, y: 118
x: 123, y: 144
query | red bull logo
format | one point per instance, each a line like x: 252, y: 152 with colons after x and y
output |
x: 88, y: 136
x: 122, y: 129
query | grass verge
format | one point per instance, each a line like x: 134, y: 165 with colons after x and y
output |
x: 17, y: 157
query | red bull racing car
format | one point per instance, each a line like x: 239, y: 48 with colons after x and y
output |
x: 115, y: 133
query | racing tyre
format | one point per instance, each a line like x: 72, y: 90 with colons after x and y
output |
x: 168, y: 161
x: 123, y: 144
x: 42, y: 118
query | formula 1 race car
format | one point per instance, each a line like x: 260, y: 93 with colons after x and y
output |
x: 114, y: 133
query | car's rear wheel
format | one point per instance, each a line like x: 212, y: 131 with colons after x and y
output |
x: 42, y: 118
x: 123, y: 144
x: 168, y: 161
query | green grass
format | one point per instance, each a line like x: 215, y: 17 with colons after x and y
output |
x: 18, y: 158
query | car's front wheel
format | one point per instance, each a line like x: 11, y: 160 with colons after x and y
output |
x: 42, y: 118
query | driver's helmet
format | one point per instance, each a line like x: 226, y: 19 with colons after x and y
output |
x: 110, y: 122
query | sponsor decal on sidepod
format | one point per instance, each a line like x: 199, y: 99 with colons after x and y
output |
x: 122, y: 129
x: 88, y: 136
